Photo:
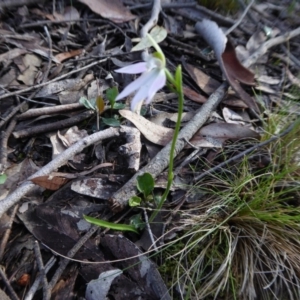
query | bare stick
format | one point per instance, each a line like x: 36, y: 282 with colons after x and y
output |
x: 240, y: 19
x: 161, y: 161
x: 53, y: 80
x: 7, y: 231
x: 46, y: 291
x: 50, y: 54
x: 52, y: 126
x: 36, y: 112
x: 268, y: 44
x: 60, y: 160
x: 12, y: 293
x: 4, y: 140
x: 154, y: 18
x: 11, y: 114
x: 36, y: 284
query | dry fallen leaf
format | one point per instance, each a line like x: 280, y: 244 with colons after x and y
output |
x: 207, y: 84
x: 66, y: 55
x: 52, y: 183
x: 232, y: 69
x: 113, y: 10
x: 154, y: 133
x: 11, y: 54
x: 30, y: 64
x: 194, y: 96
x: 208, y: 136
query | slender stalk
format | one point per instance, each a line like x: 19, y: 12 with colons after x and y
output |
x: 178, y: 85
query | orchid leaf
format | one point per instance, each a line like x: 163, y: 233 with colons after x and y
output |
x: 110, y: 225
x: 145, y: 184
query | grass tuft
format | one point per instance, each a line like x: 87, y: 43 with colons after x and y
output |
x: 242, y: 240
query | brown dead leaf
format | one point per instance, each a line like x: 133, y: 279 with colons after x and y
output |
x: 194, y: 96
x: 113, y: 10
x: 52, y: 183
x: 66, y: 55
x: 232, y: 69
x: 207, y: 84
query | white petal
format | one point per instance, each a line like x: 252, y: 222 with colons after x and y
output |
x: 134, y: 85
x: 157, y: 84
x: 133, y: 69
x: 142, y: 93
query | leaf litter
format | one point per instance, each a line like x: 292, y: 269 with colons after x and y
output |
x: 87, y: 41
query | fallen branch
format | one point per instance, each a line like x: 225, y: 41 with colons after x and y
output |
x: 60, y: 160
x: 269, y: 44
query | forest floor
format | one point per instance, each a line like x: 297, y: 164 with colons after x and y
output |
x: 219, y: 221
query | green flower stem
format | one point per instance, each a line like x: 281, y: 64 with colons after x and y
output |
x: 178, y: 85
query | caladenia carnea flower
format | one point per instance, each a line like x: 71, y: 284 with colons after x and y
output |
x: 153, y: 78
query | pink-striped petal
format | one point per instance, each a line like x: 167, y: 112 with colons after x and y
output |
x: 133, y: 69
x: 135, y: 85
x: 157, y: 84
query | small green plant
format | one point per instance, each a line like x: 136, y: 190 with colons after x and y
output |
x: 98, y: 105
x: 155, y: 76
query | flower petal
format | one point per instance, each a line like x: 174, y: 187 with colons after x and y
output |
x: 133, y: 69
x: 157, y: 84
x: 142, y: 93
x: 134, y: 85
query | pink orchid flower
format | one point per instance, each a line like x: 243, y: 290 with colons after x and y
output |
x: 153, y: 77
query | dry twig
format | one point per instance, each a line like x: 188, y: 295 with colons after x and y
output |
x: 60, y: 160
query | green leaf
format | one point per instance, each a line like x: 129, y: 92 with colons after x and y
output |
x: 145, y: 184
x: 3, y: 178
x: 111, y: 95
x: 111, y: 122
x: 137, y: 222
x: 118, y: 105
x: 134, y: 201
x: 158, y: 33
x: 86, y: 103
x: 110, y: 225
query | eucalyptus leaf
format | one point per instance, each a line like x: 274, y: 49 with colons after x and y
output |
x: 158, y: 33
x: 145, y: 184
